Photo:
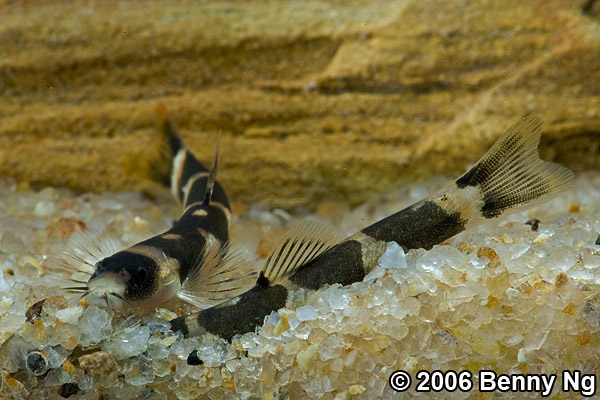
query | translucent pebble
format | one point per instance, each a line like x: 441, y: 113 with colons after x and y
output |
x: 535, y: 338
x: 264, y: 346
x: 273, y: 318
x: 128, y: 342
x: 592, y: 317
x: 4, y: 285
x: 350, y: 358
x: 375, y: 273
x: 518, y: 250
x: 336, y: 297
x: 430, y: 353
x: 158, y: 350
x: 109, y: 204
x: 512, y: 340
x: 430, y: 261
x: 393, y: 257
x: 94, y: 325
x: 162, y: 320
x: 215, y: 351
x: 70, y: 315
x: 302, y: 332
x: 306, y: 313
x: 305, y: 357
x: 479, y: 262
x: 141, y: 372
x: 55, y: 356
x: 512, y: 294
x: 316, y: 386
x: 11, y: 242
x: 507, y: 239
x: 561, y: 258
x: 86, y: 383
x: 43, y: 208
x: 330, y: 348
x: 541, y: 238
x: 378, y: 296
x: 57, y: 377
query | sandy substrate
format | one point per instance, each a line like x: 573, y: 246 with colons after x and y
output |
x: 509, y: 296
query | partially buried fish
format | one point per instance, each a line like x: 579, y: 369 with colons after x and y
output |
x: 508, y: 177
x: 191, y: 260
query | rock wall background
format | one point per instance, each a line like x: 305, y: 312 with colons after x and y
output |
x: 318, y: 100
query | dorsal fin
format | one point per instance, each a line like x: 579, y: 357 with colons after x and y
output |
x: 212, y: 175
x: 300, y: 245
x: 220, y: 273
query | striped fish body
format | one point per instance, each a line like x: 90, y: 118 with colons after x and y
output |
x: 189, y: 178
x: 186, y: 260
x: 191, y: 233
x: 509, y: 177
x: 422, y: 225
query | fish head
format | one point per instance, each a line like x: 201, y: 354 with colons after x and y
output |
x: 138, y: 277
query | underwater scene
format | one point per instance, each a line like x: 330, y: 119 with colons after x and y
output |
x: 299, y: 199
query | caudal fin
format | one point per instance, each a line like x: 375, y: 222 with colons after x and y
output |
x: 190, y: 181
x: 511, y: 174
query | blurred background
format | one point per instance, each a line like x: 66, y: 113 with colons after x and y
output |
x: 335, y: 101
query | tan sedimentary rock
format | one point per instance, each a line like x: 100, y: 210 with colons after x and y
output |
x: 317, y: 100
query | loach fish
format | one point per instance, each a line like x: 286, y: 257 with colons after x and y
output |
x: 508, y: 177
x: 192, y: 259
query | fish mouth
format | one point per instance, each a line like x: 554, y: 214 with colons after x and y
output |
x: 106, y: 296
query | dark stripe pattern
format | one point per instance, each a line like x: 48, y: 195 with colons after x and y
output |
x: 422, y: 225
x: 244, y: 315
x: 191, y: 242
x: 191, y: 166
x: 341, y: 264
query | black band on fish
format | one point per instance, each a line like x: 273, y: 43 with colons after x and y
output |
x: 341, y: 264
x: 241, y: 314
x: 422, y: 225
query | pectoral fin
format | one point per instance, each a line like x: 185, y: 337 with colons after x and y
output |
x: 219, y: 274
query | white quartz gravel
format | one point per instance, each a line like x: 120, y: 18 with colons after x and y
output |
x: 502, y: 296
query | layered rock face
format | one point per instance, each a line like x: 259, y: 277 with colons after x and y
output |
x: 316, y: 100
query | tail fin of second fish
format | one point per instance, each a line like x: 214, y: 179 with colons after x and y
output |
x: 511, y: 175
